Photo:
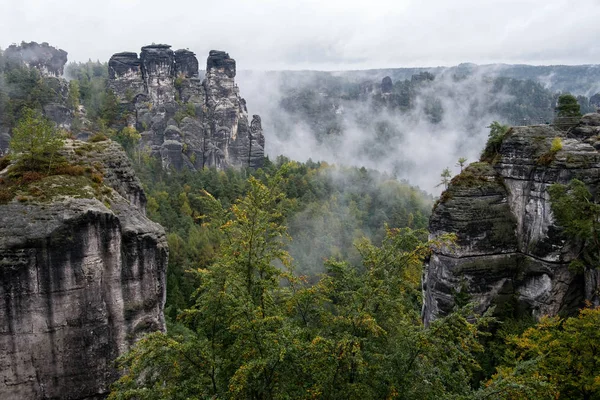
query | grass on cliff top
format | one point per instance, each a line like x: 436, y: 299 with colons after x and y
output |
x: 66, y: 178
x: 477, y: 174
x: 474, y: 175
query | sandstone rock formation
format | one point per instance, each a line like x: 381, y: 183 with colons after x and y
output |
x: 81, y: 277
x: 187, y: 122
x: 49, y: 60
x: 509, y: 252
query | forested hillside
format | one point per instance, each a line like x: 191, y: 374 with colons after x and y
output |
x: 304, y: 279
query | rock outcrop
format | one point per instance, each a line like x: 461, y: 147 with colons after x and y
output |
x: 82, y: 275
x: 509, y: 252
x: 49, y: 60
x: 187, y: 122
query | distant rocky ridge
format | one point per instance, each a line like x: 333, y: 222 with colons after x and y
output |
x: 510, y: 253
x: 49, y: 60
x: 187, y: 122
x: 81, y: 279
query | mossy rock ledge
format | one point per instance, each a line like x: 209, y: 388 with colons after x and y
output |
x: 509, y: 252
x: 75, y: 263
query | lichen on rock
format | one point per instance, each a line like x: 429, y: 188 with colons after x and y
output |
x: 510, y: 252
x: 163, y: 89
x: 82, y: 276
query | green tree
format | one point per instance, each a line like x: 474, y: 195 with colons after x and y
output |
x: 577, y: 213
x: 567, y: 106
x: 73, y: 98
x: 461, y: 163
x: 558, y: 358
x: 446, y: 175
x: 258, y: 331
x: 495, y: 138
x: 235, y: 339
x: 35, y: 142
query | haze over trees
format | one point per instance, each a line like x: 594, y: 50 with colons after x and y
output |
x: 303, y: 279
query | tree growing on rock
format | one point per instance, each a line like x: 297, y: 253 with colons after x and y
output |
x: 445, y: 175
x: 35, y: 142
x: 461, y: 163
x: 567, y: 107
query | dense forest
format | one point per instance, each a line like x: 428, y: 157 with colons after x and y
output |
x: 303, y: 280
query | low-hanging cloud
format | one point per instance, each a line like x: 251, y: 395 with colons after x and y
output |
x: 408, y: 145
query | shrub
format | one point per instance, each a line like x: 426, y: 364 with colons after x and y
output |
x: 497, y: 134
x: 32, y: 176
x: 98, y: 137
x: 97, y: 178
x: 69, y: 169
x: 4, y: 162
x: 35, y: 142
x: 548, y: 157
x: 556, y: 145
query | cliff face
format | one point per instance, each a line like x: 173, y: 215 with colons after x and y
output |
x: 80, y: 279
x: 50, y: 63
x: 47, y: 59
x: 509, y: 252
x: 187, y: 122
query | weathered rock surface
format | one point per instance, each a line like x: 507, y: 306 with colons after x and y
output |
x: 80, y: 280
x: 509, y: 252
x: 185, y: 121
x: 49, y: 60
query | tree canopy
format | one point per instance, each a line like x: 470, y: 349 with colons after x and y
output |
x: 35, y: 141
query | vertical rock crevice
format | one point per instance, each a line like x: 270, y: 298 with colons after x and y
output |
x: 79, y: 282
x: 186, y: 122
x: 509, y: 252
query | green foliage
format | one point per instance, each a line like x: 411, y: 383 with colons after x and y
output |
x: 567, y: 106
x: 462, y: 161
x: 109, y: 107
x: 445, y: 175
x: 91, y: 80
x: 73, y: 98
x: 576, y: 211
x: 188, y: 111
x: 332, y: 208
x: 128, y: 137
x: 496, y: 136
x: 21, y: 89
x: 558, y: 358
x: 259, y: 331
x: 35, y: 142
x: 547, y: 158
x: 556, y: 145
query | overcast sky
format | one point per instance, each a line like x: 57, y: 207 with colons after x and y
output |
x: 318, y: 34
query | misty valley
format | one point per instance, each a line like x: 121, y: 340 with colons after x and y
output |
x: 174, y: 229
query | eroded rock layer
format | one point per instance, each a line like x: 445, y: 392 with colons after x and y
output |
x: 80, y: 280
x: 187, y: 122
x: 509, y: 251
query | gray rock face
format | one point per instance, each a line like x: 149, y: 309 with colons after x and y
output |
x: 158, y: 71
x: 186, y: 122
x: 49, y: 60
x: 386, y: 85
x: 509, y: 251
x: 79, y: 283
x: 186, y: 64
